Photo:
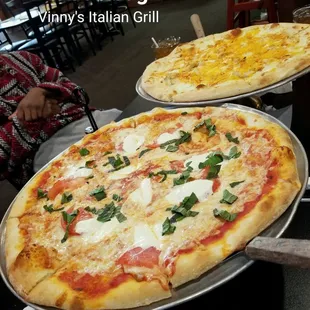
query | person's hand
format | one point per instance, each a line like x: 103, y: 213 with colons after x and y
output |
x: 36, y: 105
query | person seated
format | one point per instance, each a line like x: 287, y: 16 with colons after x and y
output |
x: 41, y: 114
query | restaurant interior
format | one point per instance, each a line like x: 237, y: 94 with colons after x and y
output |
x: 107, y: 59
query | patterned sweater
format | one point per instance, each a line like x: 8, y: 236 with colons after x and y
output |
x: 19, y: 141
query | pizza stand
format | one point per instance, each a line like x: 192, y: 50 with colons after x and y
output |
x: 268, y: 246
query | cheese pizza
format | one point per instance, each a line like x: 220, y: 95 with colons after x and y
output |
x: 144, y: 205
x: 230, y: 63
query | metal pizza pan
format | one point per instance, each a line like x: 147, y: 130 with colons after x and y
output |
x: 222, y: 273
x: 142, y: 93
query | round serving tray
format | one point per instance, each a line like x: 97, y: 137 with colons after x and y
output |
x: 260, y: 91
x: 223, y: 272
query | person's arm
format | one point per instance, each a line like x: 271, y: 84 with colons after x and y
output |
x: 50, y: 78
x: 5, y: 149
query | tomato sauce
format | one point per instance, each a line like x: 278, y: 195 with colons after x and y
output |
x: 141, y: 258
x: 82, y: 215
x: 216, y: 185
x: 61, y: 185
x: 272, y: 177
x: 92, y: 285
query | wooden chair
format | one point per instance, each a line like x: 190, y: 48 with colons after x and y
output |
x: 240, y: 11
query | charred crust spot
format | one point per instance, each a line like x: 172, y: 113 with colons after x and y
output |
x: 274, y: 25
x: 236, y: 32
x: 200, y: 86
x: 61, y: 300
x: 77, y: 304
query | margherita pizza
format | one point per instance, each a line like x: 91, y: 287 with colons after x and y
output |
x: 144, y: 205
x: 230, y: 63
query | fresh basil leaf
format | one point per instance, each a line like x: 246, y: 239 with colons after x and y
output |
x: 168, y: 209
x: 91, y: 210
x: 211, y: 128
x: 115, y: 162
x: 172, y: 148
x: 188, y: 164
x: 163, y: 145
x: 228, y: 197
x: 233, y: 153
x: 90, y: 177
x: 185, y: 137
x: 143, y: 152
x: 234, y: 184
x: 183, y: 113
x: 199, y: 125
x: 189, y: 201
x: 117, y: 198
x: 212, y: 160
x: 164, y: 173
x: 90, y: 164
x: 225, y: 215
x: 41, y: 193
x: 126, y: 160
x: 168, y: 228
x: 182, y: 179
x: 120, y: 217
x: 68, y: 219
x: 213, y: 172
x: 98, y: 193
x: 107, y: 153
x: 84, y: 152
x: 231, y: 139
x: 66, y: 197
x: 108, y: 212
x: 50, y: 208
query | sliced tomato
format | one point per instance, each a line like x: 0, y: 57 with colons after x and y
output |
x: 82, y: 215
x: 177, y: 165
x: 140, y: 258
x: 216, y: 185
x: 198, y: 115
x: 62, y: 185
x: 153, y: 146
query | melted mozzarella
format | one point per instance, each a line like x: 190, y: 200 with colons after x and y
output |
x: 92, y: 230
x: 132, y: 142
x: 123, y: 173
x: 144, y: 237
x: 143, y: 194
x: 196, y: 160
x: 201, y: 188
x: 168, y: 136
x: 77, y: 172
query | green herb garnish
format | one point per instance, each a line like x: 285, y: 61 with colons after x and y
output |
x: 90, y: 164
x: 228, y: 197
x: 231, y: 139
x: 98, y: 193
x: 84, y: 152
x: 209, y: 126
x: 50, y: 208
x: 234, y: 184
x: 66, y: 197
x: 143, y: 152
x: 117, y: 198
x: 164, y: 173
x: 183, y: 113
x: 173, y: 145
x: 109, y: 211
x: 233, y: 153
x: 225, y: 215
x: 180, y: 212
x: 168, y: 228
x: 107, y: 153
x: 68, y: 219
x: 41, y: 193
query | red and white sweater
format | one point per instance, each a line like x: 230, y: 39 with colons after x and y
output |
x: 19, y: 141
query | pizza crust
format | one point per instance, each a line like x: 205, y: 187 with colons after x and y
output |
x: 54, y: 293
x: 188, y: 91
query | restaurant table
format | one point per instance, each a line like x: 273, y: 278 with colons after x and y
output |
x: 262, y: 286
